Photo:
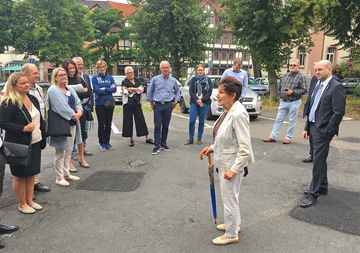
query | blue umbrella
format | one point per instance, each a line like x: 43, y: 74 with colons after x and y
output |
x: 212, y: 184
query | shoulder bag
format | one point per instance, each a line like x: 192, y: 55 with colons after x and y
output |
x: 57, y: 125
x: 17, y: 154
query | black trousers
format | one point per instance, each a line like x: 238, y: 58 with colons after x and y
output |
x: 104, y: 117
x: 82, y: 125
x: 2, y: 172
x: 135, y: 111
x: 321, y: 144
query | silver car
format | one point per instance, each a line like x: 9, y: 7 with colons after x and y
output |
x: 252, y: 101
x: 118, y: 94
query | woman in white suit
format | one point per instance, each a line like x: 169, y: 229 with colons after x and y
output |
x: 232, y: 153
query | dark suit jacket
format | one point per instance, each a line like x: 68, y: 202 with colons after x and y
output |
x: 13, y: 121
x: 313, y: 83
x: 330, y: 109
x: 88, y: 84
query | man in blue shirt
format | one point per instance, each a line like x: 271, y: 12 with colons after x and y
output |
x: 160, y: 94
x: 239, y: 75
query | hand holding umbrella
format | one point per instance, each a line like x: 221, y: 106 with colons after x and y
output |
x: 211, y: 180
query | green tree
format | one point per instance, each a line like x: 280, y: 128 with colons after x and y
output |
x: 172, y: 30
x: 270, y: 29
x: 109, y: 29
x: 51, y: 30
x: 5, y: 21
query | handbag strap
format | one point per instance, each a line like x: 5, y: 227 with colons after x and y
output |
x: 25, y: 115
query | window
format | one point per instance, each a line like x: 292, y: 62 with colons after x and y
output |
x: 223, y: 56
x: 91, y: 71
x: 330, y: 54
x: 214, y: 72
x: 12, y: 64
x: 127, y: 43
x: 6, y: 49
x: 226, y: 38
x: 232, y: 38
x: 212, y: 19
x: 246, y: 56
x: 302, y: 56
x: 183, y: 72
x: 231, y: 56
x: 218, y: 40
x: 216, y: 55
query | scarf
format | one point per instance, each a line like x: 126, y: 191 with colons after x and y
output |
x: 201, y: 81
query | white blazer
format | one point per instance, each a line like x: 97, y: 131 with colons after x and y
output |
x: 232, y: 142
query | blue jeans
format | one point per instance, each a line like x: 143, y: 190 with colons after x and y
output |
x: 285, y: 108
x: 196, y: 110
x: 162, y: 116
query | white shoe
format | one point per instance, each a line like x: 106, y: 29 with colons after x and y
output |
x: 72, y: 178
x: 62, y: 182
x: 218, y: 241
x: 222, y: 227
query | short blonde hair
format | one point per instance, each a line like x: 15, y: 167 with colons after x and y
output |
x: 127, y: 68
x: 55, y: 73
x: 11, y: 93
x: 99, y: 62
x: 163, y: 62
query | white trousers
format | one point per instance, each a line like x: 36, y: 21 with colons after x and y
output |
x: 62, y: 157
x: 230, y: 197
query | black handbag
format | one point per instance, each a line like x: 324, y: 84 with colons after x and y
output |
x: 57, y: 125
x: 88, y: 114
x: 109, y: 103
x: 17, y: 154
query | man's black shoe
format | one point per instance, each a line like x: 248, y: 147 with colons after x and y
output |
x: 308, y: 201
x: 308, y: 160
x: 41, y: 188
x: 2, y: 244
x: 8, y: 229
x: 150, y: 141
x: 320, y: 193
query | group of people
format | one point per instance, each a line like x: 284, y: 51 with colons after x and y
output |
x: 24, y: 120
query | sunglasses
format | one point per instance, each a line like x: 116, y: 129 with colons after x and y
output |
x: 292, y: 65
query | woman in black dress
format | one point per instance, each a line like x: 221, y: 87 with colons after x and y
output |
x: 83, y: 93
x: 20, y: 117
x: 132, y: 89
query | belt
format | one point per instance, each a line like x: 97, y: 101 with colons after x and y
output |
x: 162, y: 102
x: 290, y: 100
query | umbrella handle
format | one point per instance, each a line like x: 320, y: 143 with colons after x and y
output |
x: 201, y: 155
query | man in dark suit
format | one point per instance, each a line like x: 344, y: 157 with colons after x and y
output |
x: 327, y: 107
x: 90, y: 104
x: 314, y: 81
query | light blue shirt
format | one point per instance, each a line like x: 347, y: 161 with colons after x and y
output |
x: 241, y: 76
x: 162, y: 89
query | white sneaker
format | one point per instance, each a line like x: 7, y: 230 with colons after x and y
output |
x: 62, y: 182
x: 72, y: 178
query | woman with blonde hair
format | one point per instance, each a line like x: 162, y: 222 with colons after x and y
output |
x: 62, y: 99
x: 20, y: 117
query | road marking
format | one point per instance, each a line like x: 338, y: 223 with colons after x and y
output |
x: 347, y: 118
x: 114, y: 128
x: 286, y: 122
x: 184, y: 117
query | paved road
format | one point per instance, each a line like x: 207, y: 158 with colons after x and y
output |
x: 170, y: 211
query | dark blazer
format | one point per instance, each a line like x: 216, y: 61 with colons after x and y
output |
x: 86, y: 78
x: 313, y: 83
x: 330, y: 109
x: 193, y: 91
x: 13, y: 121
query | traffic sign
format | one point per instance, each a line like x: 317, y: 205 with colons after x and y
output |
x: 351, y: 61
x: 350, y: 66
x: 32, y: 61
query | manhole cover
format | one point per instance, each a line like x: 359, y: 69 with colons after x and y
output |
x: 122, y: 181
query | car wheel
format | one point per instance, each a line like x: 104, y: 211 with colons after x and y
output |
x: 253, y: 117
x: 182, y: 106
x: 209, y: 115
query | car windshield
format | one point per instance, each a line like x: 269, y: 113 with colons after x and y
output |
x: 118, y: 80
x: 252, y: 81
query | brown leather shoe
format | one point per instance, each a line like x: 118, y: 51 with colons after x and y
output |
x: 41, y: 188
x: 189, y: 142
x: 269, y: 140
x: 286, y: 141
x: 199, y: 141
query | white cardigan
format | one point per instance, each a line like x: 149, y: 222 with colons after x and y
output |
x: 232, y: 142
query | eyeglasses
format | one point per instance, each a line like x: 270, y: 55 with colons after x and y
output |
x: 128, y: 73
x: 292, y: 65
x: 101, y: 67
x: 200, y: 69
x: 61, y: 75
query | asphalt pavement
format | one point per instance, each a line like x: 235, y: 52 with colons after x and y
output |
x: 170, y: 209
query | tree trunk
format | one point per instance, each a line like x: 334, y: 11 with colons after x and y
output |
x: 257, y: 71
x: 272, y: 83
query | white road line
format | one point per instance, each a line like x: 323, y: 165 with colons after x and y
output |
x: 347, y: 118
x: 184, y: 117
x: 114, y: 128
x: 286, y: 122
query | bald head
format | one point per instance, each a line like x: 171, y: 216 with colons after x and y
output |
x: 323, y: 70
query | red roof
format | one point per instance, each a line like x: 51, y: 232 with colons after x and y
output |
x: 128, y: 9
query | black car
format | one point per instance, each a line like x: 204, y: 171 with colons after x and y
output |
x: 350, y: 84
x: 44, y: 85
x: 145, y: 82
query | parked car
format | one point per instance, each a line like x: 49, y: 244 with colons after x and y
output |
x: 265, y: 81
x: 43, y: 84
x: 350, y: 84
x: 118, y: 94
x: 257, y: 88
x: 252, y: 101
x: 145, y: 82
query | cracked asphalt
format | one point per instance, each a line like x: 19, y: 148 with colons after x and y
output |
x: 171, y: 211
